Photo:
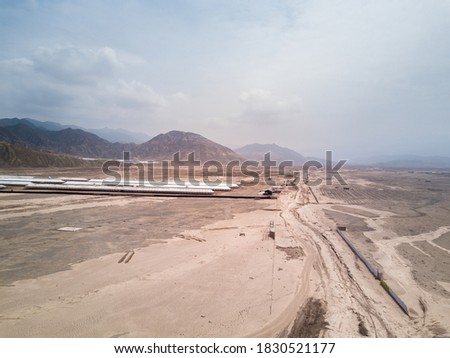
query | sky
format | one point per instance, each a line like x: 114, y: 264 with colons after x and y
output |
x: 360, y: 78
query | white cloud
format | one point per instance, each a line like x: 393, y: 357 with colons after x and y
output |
x: 133, y: 94
x: 70, y: 64
x: 256, y: 95
x: 16, y: 66
x: 180, y: 97
x: 263, y: 107
x: 80, y: 84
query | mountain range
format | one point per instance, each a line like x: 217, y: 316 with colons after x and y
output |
x: 112, y: 135
x: 17, y: 156
x: 27, y: 134
x: 77, y: 142
x: 68, y: 141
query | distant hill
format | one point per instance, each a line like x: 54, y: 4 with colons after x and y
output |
x: 256, y: 152
x: 404, y: 162
x: 120, y: 135
x: 51, y: 126
x: 6, y: 122
x: 111, y: 135
x: 16, y: 156
x: 68, y: 141
x: 163, y: 146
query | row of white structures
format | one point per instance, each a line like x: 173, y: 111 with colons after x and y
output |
x: 85, y: 184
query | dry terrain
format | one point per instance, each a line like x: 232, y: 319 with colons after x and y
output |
x: 206, y: 267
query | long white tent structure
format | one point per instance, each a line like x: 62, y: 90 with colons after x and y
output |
x: 27, y: 180
x: 147, y: 184
x: 84, y: 184
x: 119, y: 188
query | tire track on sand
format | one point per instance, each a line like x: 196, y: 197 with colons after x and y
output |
x: 300, y: 234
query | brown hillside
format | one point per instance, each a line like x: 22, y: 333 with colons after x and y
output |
x: 16, y: 156
x: 163, y: 146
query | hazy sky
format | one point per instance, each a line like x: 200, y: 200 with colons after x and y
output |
x: 359, y: 77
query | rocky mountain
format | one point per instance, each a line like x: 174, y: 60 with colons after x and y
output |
x: 83, y: 144
x: 256, y: 152
x: 16, y: 156
x: 68, y: 141
x: 163, y: 146
x: 112, y: 135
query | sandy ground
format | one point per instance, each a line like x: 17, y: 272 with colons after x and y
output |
x: 400, y: 221
x: 209, y: 269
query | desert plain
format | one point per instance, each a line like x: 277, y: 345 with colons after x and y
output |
x: 207, y: 267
